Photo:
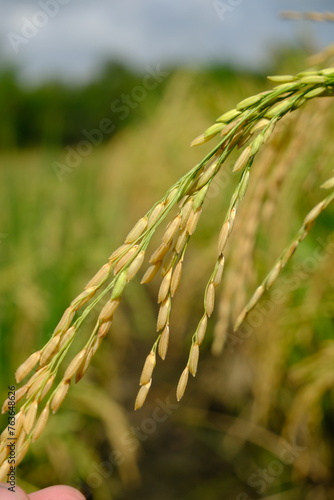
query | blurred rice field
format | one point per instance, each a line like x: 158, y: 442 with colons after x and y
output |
x: 257, y: 422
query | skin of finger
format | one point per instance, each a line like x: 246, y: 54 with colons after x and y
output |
x: 18, y: 494
x: 55, y: 493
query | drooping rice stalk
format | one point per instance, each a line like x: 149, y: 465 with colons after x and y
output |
x: 247, y: 128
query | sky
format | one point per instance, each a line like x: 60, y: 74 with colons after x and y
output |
x: 71, y: 39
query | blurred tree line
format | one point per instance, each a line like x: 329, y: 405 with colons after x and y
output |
x: 54, y: 114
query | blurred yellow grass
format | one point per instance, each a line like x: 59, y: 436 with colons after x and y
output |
x: 59, y: 233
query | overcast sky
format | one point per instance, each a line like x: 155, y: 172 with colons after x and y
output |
x: 69, y: 39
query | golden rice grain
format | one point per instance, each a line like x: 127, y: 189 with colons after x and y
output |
x: 100, y: 277
x: 173, y: 194
x: 84, y: 367
x: 163, y: 314
x: 83, y: 298
x: 39, y: 374
x: 19, y: 419
x: 171, y: 230
x: 273, y: 275
x: 243, y: 159
x: 223, y: 235
x: 136, y: 231
x: 240, y: 319
x: 236, y: 139
x: 104, y: 329
x: 150, y: 273
x: 201, y: 329
x: 22, y: 451
x: 219, y: 271
x: 142, y: 394
x: 21, y: 439
x: 176, y: 278
x: 181, y: 241
x: 3, y: 455
x: 41, y: 423
x: 59, y: 396
x: 95, y: 345
x: 255, y: 297
x: 208, y: 173
x: 135, y: 266
x: 165, y: 285
x: 289, y: 253
x: 199, y: 140
x: 313, y: 214
x: 163, y: 342
x: 193, y: 221
x: 47, y: 352
x: 181, y: 386
x: 125, y: 259
x: 328, y: 184
x: 185, y: 212
x: 27, y: 366
x: 35, y: 384
x: 148, y: 368
x: 108, y: 310
x: 4, y: 470
x: 168, y: 263
x: 155, y: 214
x: 227, y: 129
x: 65, y: 321
x: 209, y: 301
x: 244, y: 184
x: 67, y: 336
x: 260, y: 125
x: 231, y: 219
x: 47, y: 387
x: 74, y: 365
x: 18, y: 396
x: 159, y: 253
x: 193, y: 359
x: 119, y: 252
x: 30, y: 417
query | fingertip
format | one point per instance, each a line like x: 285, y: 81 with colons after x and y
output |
x: 16, y: 494
x: 59, y: 492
